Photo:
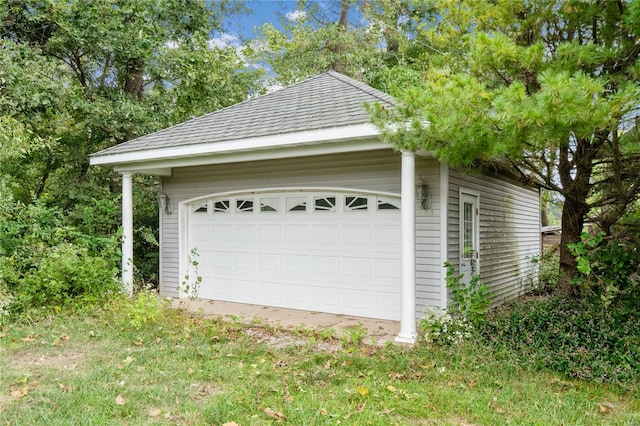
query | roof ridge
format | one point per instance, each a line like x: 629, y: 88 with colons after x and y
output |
x: 358, y: 85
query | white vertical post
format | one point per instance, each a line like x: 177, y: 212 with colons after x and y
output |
x: 127, y: 233
x: 408, y: 230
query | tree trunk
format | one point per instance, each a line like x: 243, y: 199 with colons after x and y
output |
x: 573, y: 214
x: 338, y: 49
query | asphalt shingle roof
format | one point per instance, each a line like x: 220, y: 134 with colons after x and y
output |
x: 323, y: 101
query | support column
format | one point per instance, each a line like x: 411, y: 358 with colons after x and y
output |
x: 408, y: 230
x: 127, y: 233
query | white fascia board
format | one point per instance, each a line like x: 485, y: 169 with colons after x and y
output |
x: 335, y: 134
x: 256, y: 155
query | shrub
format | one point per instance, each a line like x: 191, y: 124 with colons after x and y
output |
x: 46, y: 265
x: 470, y: 300
x: 546, y: 273
x: 574, y: 337
x: 440, y: 328
x: 608, y: 268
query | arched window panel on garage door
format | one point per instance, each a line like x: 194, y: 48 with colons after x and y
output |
x: 296, y: 204
x: 244, y: 205
x: 355, y: 203
x: 269, y: 204
x: 385, y: 203
x: 324, y: 204
x: 221, y: 206
x: 200, y: 207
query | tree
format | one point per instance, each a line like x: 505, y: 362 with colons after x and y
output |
x: 546, y: 91
x: 363, y: 39
x: 99, y: 74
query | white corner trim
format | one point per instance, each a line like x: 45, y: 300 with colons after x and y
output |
x: 334, y: 134
x: 444, y: 236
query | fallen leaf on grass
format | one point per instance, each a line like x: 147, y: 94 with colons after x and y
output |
x: 28, y: 339
x: 19, y: 393
x: 154, y: 412
x: 274, y: 414
x: 65, y: 389
x: 362, y: 390
x: 120, y: 400
x: 64, y: 337
x: 230, y: 424
x: 605, y: 408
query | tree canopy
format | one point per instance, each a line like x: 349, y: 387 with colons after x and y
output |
x: 546, y: 91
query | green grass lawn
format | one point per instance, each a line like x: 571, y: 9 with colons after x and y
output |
x: 180, y: 369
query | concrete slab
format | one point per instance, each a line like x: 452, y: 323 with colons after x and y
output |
x: 378, y: 331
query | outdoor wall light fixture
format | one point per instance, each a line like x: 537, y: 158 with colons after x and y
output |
x: 422, y: 193
x: 164, y: 203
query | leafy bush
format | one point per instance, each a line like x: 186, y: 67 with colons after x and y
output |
x: 470, y: 300
x: 46, y: 265
x: 440, y: 328
x: 608, y: 268
x: 544, y: 279
x: 145, y: 307
x: 574, y: 337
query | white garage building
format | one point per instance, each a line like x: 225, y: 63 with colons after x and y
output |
x: 292, y: 200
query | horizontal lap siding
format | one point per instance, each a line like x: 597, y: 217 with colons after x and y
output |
x: 380, y: 172
x: 428, y: 239
x: 509, y: 232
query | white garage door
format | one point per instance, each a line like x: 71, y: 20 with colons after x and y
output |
x: 326, y: 251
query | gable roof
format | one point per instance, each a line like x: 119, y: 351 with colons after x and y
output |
x: 324, y: 101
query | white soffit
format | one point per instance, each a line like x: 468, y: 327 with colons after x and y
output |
x: 360, y: 137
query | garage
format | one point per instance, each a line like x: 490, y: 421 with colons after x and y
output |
x: 321, y: 250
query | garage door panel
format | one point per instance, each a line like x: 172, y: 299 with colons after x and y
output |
x: 387, y: 268
x: 325, y: 235
x: 245, y: 262
x: 296, y: 234
x: 357, y: 299
x: 387, y: 302
x: 221, y: 233
x: 326, y: 266
x: 296, y: 263
x: 244, y: 234
x: 221, y: 262
x: 298, y: 294
x: 269, y: 234
x: 327, y: 258
x: 358, y: 268
x: 356, y: 236
x: 270, y: 292
x: 246, y: 289
x: 269, y: 262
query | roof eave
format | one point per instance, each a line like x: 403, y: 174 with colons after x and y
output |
x: 359, y: 137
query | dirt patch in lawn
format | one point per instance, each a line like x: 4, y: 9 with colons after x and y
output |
x: 68, y: 360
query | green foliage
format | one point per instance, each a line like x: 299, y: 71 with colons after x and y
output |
x: 573, y: 337
x: 442, y: 329
x: 45, y: 266
x: 143, y: 309
x: 541, y: 91
x: 544, y: 279
x: 191, y: 281
x: 470, y: 299
x: 608, y: 268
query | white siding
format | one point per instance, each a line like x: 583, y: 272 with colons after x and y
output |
x: 509, y: 231
x: 369, y: 171
x: 428, y: 239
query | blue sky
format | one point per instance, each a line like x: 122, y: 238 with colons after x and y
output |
x: 263, y: 11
